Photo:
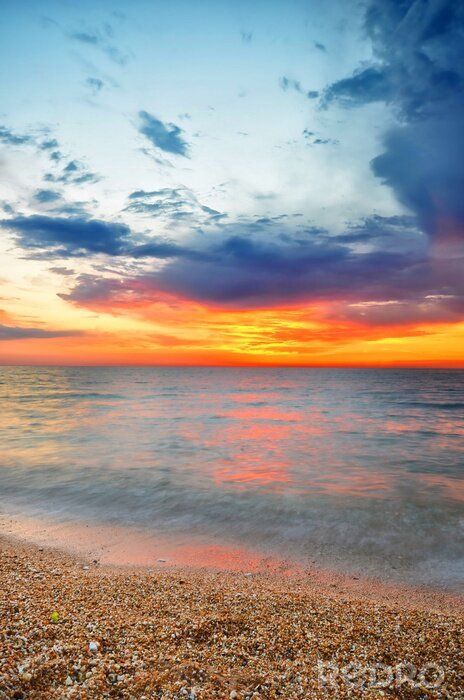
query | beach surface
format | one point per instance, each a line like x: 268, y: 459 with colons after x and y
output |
x: 74, y: 628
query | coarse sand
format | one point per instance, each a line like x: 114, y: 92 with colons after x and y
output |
x: 71, y: 628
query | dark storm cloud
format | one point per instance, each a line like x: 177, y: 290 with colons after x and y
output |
x: 424, y: 164
x: 160, y: 249
x: 77, y: 235
x: 166, y: 137
x: 418, y: 58
x: 67, y: 237
x: 258, y: 263
x: 373, y: 288
x: 249, y: 273
x: 242, y: 266
x: 375, y: 272
x: 418, y: 69
x: 418, y: 43
x: 400, y: 233
x: 369, y: 85
x: 20, y: 333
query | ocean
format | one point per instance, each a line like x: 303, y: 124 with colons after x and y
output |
x: 358, y: 470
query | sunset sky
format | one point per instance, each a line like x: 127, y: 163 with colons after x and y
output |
x: 232, y: 182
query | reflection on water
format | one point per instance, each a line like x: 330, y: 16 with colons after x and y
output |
x: 351, y: 468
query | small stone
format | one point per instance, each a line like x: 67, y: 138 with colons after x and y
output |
x: 93, y: 646
x: 68, y: 681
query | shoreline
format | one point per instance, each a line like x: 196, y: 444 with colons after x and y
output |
x: 200, y: 633
x: 125, y: 549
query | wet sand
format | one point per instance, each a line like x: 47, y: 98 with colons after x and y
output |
x: 74, y: 628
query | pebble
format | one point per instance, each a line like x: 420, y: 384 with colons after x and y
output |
x: 204, y: 633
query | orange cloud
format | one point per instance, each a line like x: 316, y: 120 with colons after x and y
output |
x: 172, y: 330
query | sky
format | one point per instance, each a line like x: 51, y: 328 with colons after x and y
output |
x: 270, y: 183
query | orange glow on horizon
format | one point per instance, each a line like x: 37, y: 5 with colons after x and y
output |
x: 195, y: 335
x: 161, y: 329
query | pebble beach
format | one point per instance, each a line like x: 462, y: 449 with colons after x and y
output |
x: 72, y: 628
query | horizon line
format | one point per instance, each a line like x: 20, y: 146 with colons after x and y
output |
x: 235, y: 366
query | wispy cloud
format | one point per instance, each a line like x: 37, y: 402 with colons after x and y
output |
x: 101, y: 39
x: 176, y: 205
x: 74, y: 172
x: 95, y: 84
x: 47, y: 196
x: 167, y: 137
x: 11, y: 138
x: 287, y: 83
x: 22, y: 333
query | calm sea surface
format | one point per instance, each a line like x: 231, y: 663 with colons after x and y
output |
x: 362, y: 470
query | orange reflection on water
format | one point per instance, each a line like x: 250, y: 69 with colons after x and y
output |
x: 128, y: 546
x: 241, y: 472
x: 264, y: 413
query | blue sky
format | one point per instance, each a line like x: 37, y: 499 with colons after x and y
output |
x: 216, y: 71
x: 232, y: 154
